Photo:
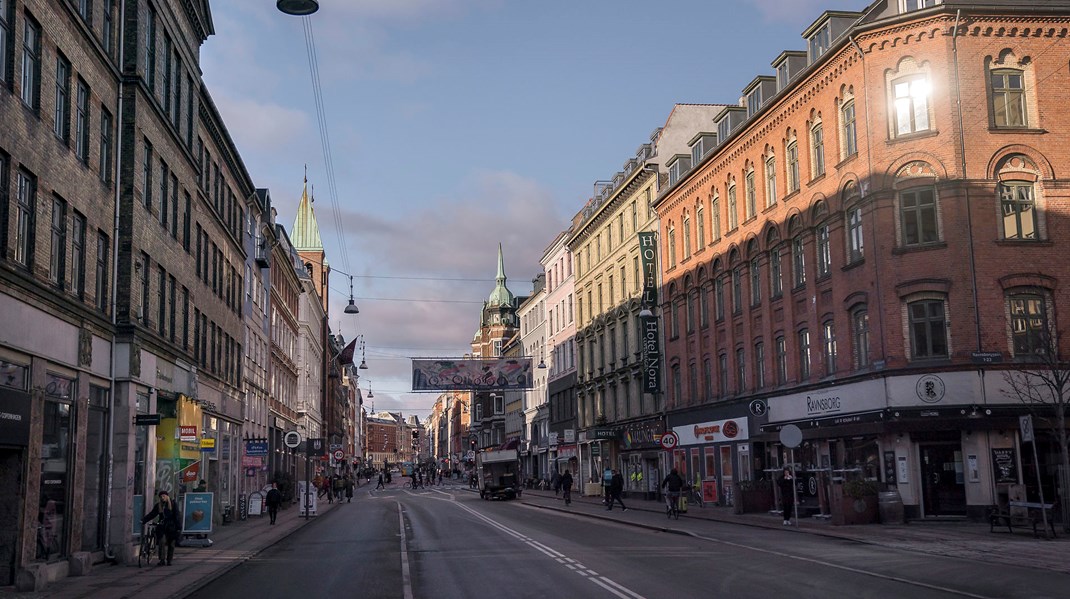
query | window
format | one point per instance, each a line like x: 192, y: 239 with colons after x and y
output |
x: 78, y: 256
x: 107, y: 38
x: 1008, y: 98
x: 701, y: 222
x: 754, y: 101
x: 770, y: 181
x: 737, y: 290
x: 57, y: 259
x: 798, y: 262
x: 793, y: 166
x: 860, y: 331
x: 850, y: 129
x: 917, y: 210
x: 81, y: 129
x: 928, y: 335
x: 102, y: 272
x: 804, y: 354
x: 781, y: 361
x: 911, y: 105
x: 704, y: 308
x: 105, y: 145
x: 687, y: 237
x: 819, y: 42
x: 636, y: 278
x: 722, y: 374
x: 707, y: 377
x: 752, y: 200
x: 146, y: 176
x: 854, y: 234
x: 674, y: 319
x: 672, y: 246
x: 691, y: 297
x: 174, y: 206
x: 828, y: 332
x: 85, y: 10
x: 824, y: 252
x: 1019, y: 210
x: 741, y: 371
x: 817, y: 146
x: 759, y: 365
x: 5, y: 38
x: 909, y: 5
x: 62, y: 124
x: 31, y: 63
x: 168, y: 80
x: 163, y: 193
x: 189, y: 112
x: 718, y: 298
x: 1029, y: 324
x: 25, y: 218
x: 776, y: 274
x: 150, y: 49
x: 724, y: 128
x: 755, y: 282
x: 733, y: 215
x: 715, y: 215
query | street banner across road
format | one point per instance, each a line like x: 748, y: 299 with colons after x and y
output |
x: 462, y: 374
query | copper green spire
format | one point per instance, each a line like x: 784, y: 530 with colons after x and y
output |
x: 501, y: 296
x: 306, y: 233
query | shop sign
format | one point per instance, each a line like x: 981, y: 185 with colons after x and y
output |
x: 570, y: 435
x: 14, y: 417
x: 566, y: 452
x: 602, y: 433
x: 208, y: 445
x: 252, y: 461
x: 553, y: 439
x: 1005, y: 465
x: 717, y: 431
x: 841, y: 399
x: 197, y: 513
x: 187, y: 433
x: 256, y: 448
x: 855, y: 418
x: 596, y: 449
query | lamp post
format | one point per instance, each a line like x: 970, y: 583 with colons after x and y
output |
x: 299, y: 8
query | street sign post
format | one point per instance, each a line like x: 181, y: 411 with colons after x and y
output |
x: 670, y: 440
x: 292, y: 439
x: 791, y: 437
x: 1028, y: 436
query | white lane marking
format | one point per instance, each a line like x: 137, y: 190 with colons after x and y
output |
x: 575, y: 566
x: 406, y: 580
x: 811, y: 560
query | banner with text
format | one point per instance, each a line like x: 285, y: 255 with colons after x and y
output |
x: 480, y: 374
x: 650, y: 334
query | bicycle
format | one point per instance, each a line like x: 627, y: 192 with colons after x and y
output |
x: 694, y: 495
x: 672, y: 504
x: 148, y: 544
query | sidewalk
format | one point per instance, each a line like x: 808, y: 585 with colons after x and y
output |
x: 967, y: 540
x: 193, y: 567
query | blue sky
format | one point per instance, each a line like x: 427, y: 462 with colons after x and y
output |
x: 458, y: 124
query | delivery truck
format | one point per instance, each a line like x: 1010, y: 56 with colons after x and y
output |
x: 498, y: 474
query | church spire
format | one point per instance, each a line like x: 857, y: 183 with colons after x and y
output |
x: 501, y: 296
x: 306, y: 233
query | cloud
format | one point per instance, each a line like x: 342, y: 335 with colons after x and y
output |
x: 261, y: 125
x: 802, y: 11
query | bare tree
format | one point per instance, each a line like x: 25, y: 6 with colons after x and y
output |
x: 1043, y: 386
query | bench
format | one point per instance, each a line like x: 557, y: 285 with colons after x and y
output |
x: 1032, y: 518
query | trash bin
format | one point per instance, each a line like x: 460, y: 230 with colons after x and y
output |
x: 890, y: 505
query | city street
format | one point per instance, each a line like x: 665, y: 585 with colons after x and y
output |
x: 446, y: 542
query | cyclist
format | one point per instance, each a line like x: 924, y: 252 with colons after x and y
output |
x: 673, y: 483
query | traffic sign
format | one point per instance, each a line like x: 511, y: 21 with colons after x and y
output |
x: 1026, y: 424
x: 791, y: 436
x: 670, y: 440
x: 292, y: 439
x: 339, y: 454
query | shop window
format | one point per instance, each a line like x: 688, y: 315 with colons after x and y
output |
x: 56, y: 444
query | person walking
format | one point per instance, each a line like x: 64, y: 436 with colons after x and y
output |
x: 349, y: 490
x: 380, y: 485
x: 616, y: 487
x: 273, y: 501
x: 566, y: 486
x: 168, y: 527
x: 555, y: 482
x: 787, y: 494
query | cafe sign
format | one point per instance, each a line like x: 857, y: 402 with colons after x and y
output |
x: 717, y: 431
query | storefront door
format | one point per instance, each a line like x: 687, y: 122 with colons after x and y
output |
x: 10, y: 506
x: 943, y: 491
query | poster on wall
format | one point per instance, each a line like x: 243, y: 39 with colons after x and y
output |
x: 1005, y: 465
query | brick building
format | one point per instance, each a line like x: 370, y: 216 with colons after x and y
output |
x: 871, y: 242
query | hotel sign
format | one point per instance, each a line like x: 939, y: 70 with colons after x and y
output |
x: 650, y: 335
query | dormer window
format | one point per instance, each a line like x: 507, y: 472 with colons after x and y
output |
x: 782, y: 76
x: 754, y: 101
x: 820, y: 42
x: 909, y: 5
x: 701, y: 145
x: 724, y: 128
x: 678, y: 167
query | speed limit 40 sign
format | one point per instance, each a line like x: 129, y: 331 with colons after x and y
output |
x: 670, y: 440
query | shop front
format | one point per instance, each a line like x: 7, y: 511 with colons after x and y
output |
x: 712, y: 456
x: 640, y: 454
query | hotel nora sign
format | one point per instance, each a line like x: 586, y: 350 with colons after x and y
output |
x: 650, y: 334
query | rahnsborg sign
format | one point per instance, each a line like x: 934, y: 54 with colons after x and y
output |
x: 717, y: 431
x: 822, y: 403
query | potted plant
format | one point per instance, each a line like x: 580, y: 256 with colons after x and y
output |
x: 753, y: 496
x: 854, y: 502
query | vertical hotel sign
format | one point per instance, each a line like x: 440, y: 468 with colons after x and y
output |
x: 649, y: 333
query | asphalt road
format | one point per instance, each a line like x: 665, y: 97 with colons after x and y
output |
x: 445, y: 542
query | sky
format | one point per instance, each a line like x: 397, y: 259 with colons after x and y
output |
x: 456, y: 125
